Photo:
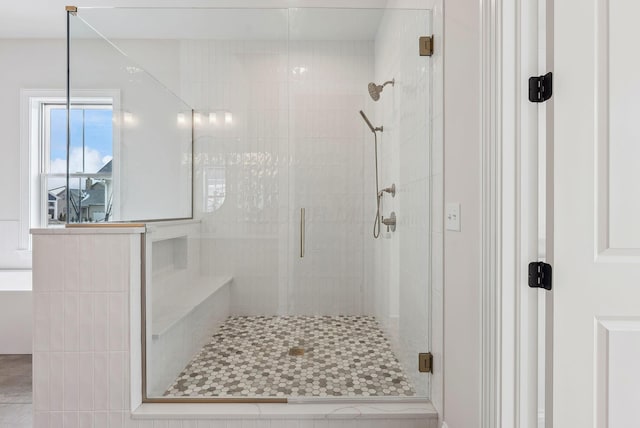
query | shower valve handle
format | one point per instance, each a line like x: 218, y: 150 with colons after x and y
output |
x: 390, y: 222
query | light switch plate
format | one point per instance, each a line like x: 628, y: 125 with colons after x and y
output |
x: 452, y: 216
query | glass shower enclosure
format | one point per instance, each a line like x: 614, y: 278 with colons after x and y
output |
x: 242, y: 130
x: 141, y: 168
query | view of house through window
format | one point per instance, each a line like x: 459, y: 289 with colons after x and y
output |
x: 90, y: 162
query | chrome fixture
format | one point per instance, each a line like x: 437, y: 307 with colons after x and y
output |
x: 375, y: 90
x: 379, y: 193
x: 376, y: 223
x: 390, y: 222
x: 366, y: 119
x: 391, y: 190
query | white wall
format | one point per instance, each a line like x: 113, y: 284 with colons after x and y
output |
x: 462, y: 180
x: 28, y: 64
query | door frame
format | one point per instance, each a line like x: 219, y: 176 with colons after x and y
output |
x: 516, y: 322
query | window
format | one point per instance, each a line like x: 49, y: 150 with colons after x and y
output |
x: 90, y: 193
x: 93, y: 161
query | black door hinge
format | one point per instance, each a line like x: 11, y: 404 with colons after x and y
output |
x: 540, y: 88
x: 540, y: 275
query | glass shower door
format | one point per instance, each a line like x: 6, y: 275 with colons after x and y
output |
x: 403, y: 258
x: 327, y: 150
x: 369, y: 296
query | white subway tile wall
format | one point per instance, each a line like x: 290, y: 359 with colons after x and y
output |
x: 328, y: 150
x: 296, y: 141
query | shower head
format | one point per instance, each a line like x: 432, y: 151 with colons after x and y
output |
x: 366, y: 119
x: 375, y: 90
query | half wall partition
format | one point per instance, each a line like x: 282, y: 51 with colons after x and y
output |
x: 276, y: 289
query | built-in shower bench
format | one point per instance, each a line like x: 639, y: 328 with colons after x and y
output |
x: 181, y: 302
x: 186, y: 301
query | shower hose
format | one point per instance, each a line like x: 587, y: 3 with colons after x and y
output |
x: 376, y: 223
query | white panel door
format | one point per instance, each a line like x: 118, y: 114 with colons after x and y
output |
x: 597, y: 214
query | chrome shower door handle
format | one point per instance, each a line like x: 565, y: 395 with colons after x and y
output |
x: 302, y: 231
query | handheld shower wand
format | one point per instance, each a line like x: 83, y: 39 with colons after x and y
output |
x: 366, y: 119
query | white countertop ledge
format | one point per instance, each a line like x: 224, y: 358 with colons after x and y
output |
x: 113, y: 230
x: 409, y: 410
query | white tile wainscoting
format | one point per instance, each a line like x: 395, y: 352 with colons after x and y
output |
x: 87, y: 356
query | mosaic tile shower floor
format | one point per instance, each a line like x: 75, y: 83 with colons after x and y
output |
x: 249, y: 357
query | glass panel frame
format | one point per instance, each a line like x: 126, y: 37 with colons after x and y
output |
x: 138, y: 192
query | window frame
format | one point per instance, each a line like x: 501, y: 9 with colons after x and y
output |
x: 33, y: 153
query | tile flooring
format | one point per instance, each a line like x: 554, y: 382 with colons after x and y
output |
x: 16, y: 408
x: 251, y: 357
